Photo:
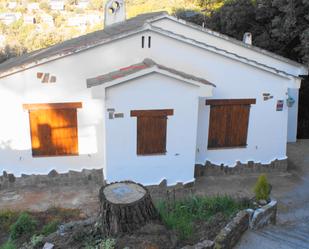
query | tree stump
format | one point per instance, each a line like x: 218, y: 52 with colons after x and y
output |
x: 125, y: 206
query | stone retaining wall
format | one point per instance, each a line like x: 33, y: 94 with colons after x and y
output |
x: 263, y: 216
x: 210, y: 169
x: 72, y: 178
x: 231, y: 233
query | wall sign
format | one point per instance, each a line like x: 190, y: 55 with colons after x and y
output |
x: 119, y: 115
x: 280, y: 105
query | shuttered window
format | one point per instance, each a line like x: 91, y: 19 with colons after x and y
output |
x: 151, y: 131
x: 228, y: 122
x: 54, y: 129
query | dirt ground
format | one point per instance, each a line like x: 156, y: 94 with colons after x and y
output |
x: 85, y: 197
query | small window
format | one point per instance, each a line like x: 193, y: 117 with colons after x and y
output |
x: 143, y: 41
x: 53, y: 129
x: 151, y: 131
x: 228, y: 123
x: 149, y: 41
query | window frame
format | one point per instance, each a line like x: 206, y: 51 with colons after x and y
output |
x: 229, y: 102
x: 162, y: 113
x: 53, y: 106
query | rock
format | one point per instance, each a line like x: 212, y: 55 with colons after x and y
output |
x: 5, y: 174
x: 264, y: 215
x: 11, y: 178
x: 53, y: 173
x: 163, y: 183
x: 206, y: 244
x: 48, y: 246
x: 232, y: 232
x: 262, y: 202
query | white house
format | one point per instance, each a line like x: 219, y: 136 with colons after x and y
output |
x: 12, y: 5
x: 146, y: 99
x: 77, y: 21
x: 9, y: 18
x: 48, y: 19
x: 2, y: 41
x: 29, y: 19
x: 82, y: 4
x: 33, y: 6
x: 56, y: 4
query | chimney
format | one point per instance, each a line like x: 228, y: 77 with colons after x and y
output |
x: 247, y: 38
x: 115, y: 12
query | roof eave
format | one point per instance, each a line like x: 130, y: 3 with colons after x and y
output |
x: 36, y: 63
x: 94, y: 82
x: 303, y: 68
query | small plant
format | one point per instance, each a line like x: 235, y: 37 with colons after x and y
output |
x: 25, y: 225
x: 107, y: 244
x: 102, y: 244
x: 36, y: 240
x: 7, y: 218
x: 51, y: 227
x: 180, y: 215
x: 8, y: 245
x: 262, y: 188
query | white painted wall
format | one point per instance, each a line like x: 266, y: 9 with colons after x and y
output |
x: 293, y: 116
x: 71, y: 73
x: 267, y: 128
x: 153, y: 91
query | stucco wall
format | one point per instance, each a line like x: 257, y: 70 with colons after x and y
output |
x: 71, y: 73
x: 267, y: 135
x: 267, y: 129
x: 293, y: 116
x: 153, y: 91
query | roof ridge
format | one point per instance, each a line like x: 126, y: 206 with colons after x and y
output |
x: 145, y: 64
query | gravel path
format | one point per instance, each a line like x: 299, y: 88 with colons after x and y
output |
x: 292, y: 229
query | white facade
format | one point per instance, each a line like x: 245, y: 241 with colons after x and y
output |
x: 111, y: 143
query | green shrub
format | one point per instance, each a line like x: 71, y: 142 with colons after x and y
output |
x: 8, y: 245
x: 262, y: 188
x: 107, y: 244
x: 51, y: 227
x: 101, y: 244
x: 180, y: 215
x: 25, y: 225
x: 36, y: 240
x: 7, y: 218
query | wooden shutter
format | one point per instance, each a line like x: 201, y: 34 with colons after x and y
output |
x: 151, y: 131
x: 218, y: 126
x: 54, y: 131
x: 151, y: 135
x: 228, y: 125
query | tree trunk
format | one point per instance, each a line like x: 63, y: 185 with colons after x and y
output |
x: 125, y: 206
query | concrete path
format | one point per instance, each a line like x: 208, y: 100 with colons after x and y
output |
x: 292, y: 229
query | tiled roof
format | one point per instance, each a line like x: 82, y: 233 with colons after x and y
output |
x: 146, y: 64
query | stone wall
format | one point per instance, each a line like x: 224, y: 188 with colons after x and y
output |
x: 210, y: 169
x: 72, y: 178
x: 263, y: 216
x: 231, y: 233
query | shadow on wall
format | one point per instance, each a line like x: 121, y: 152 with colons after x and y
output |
x: 51, y: 153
